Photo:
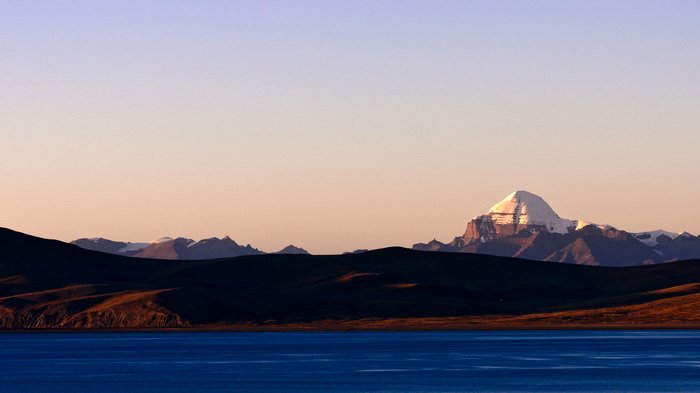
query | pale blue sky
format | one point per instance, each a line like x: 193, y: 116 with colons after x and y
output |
x: 342, y: 125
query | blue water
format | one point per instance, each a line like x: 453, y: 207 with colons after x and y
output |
x: 542, y: 361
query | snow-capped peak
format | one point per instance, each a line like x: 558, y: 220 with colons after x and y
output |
x: 526, y: 208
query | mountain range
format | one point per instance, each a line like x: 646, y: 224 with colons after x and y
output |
x: 48, y: 284
x: 179, y: 248
x: 523, y: 225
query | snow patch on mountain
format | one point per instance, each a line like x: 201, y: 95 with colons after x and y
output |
x: 651, y: 238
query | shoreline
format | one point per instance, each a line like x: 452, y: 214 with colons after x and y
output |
x: 368, y: 327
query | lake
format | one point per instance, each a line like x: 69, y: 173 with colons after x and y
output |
x: 472, y: 361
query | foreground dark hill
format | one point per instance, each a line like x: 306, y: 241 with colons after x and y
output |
x: 49, y: 284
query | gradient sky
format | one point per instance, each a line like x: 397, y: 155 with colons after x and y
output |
x: 338, y: 125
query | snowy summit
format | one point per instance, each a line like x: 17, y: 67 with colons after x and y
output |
x: 526, y: 208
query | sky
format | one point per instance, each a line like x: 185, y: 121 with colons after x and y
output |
x: 339, y: 125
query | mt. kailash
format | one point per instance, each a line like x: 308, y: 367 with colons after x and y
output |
x: 523, y: 225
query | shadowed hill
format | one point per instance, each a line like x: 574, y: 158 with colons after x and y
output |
x: 49, y: 284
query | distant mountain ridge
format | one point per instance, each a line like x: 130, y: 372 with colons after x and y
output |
x: 523, y: 225
x: 179, y: 248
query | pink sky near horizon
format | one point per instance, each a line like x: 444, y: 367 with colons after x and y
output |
x: 336, y: 126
